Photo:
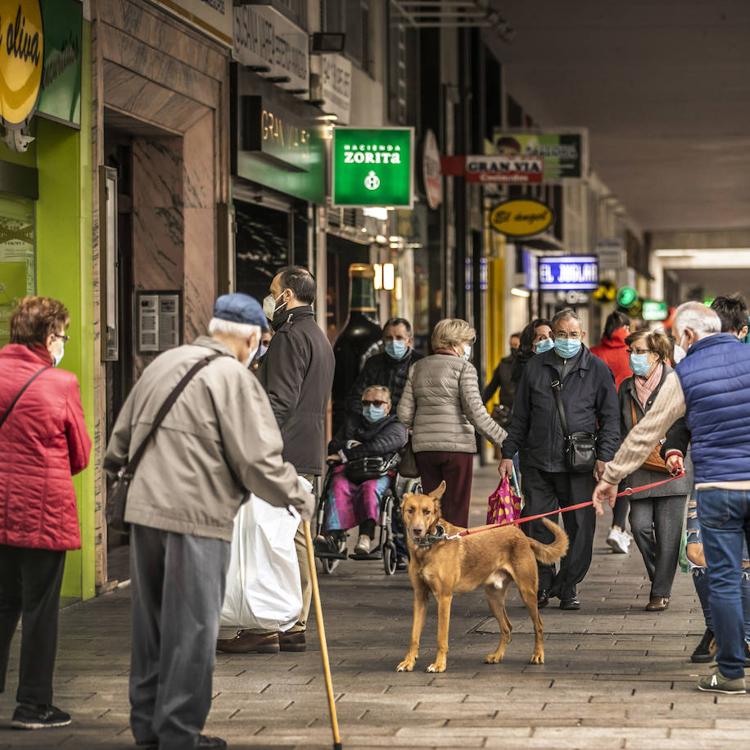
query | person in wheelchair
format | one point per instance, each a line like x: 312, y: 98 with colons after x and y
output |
x: 366, y: 453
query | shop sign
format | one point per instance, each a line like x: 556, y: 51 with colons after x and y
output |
x: 612, y: 255
x: 211, y: 16
x: 335, y: 92
x: 564, y: 152
x: 521, y: 217
x: 432, y: 176
x: 569, y: 273
x: 505, y: 170
x: 21, y: 60
x: 61, y: 88
x: 372, y: 167
x: 654, y: 310
x: 276, y: 48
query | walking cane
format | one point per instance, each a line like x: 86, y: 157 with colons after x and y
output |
x: 322, y: 635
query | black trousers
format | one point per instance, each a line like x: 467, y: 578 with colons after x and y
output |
x: 30, y: 581
x: 547, y: 491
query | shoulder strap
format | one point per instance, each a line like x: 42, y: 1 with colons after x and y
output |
x: 633, y: 414
x: 20, y: 393
x: 557, y: 392
x: 169, y: 402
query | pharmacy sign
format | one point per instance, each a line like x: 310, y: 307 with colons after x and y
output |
x: 373, y: 167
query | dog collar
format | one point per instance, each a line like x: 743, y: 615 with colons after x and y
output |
x: 428, y: 540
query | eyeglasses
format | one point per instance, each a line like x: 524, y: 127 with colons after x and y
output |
x: 575, y: 335
x: 62, y: 337
x: 374, y: 403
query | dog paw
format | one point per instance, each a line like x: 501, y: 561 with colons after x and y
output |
x: 537, y: 659
x: 493, y: 658
x: 407, y: 665
x: 435, y: 668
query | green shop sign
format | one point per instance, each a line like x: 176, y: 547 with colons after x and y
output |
x: 373, y: 167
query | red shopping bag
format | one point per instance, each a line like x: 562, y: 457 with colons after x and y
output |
x: 504, y: 504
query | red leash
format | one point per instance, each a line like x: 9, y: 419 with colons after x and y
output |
x: 518, y: 521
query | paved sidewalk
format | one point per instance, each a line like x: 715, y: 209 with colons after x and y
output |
x: 616, y: 676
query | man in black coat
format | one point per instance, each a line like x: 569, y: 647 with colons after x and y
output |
x: 590, y: 404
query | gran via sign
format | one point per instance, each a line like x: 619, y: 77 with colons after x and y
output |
x: 373, y: 167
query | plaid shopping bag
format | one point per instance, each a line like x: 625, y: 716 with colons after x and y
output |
x: 504, y: 504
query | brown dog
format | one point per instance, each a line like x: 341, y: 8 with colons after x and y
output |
x: 455, y: 566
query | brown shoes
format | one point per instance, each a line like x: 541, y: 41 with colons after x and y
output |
x: 293, y: 640
x: 657, y: 604
x: 246, y: 642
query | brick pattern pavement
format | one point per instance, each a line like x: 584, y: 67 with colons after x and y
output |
x: 616, y: 676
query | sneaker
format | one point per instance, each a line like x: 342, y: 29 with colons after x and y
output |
x: 618, y: 540
x: 705, y: 650
x: 717, y: 683
x: 27, y: 716
x: 363, y: 546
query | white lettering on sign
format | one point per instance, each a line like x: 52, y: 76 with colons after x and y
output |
x: 574, y: 273
x: 372, y: 154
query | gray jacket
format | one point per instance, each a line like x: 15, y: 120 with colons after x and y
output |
x: 442, y: 405
x: 219, y: 441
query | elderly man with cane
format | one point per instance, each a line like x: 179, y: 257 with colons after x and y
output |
x: 709, y: 387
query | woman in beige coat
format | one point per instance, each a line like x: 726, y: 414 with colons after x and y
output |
x: 443, y: 407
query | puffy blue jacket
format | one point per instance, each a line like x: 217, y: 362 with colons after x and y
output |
x: 715, y: 378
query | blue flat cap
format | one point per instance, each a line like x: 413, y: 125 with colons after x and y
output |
x: 240, y: 308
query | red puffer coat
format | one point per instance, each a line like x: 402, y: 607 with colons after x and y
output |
x: 42, y: 443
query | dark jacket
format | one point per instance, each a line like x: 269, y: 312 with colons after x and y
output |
x: 629, y: 399
x: 380, y: 369
x: 297, y: 374
x: 502, y: 378
x: 590, y: 401
x: 383, y: 438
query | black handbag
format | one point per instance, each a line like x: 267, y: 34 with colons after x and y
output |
x: 580, y: 447
x: 370, y: 467
x: 117, y: 496
x: 408, y: 467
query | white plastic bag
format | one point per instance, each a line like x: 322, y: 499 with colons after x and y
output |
x: 263, y: 585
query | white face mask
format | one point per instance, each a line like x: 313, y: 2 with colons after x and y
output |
x: 271, y: 306
x: 57, y: 351
x: 467, y: 352
x: 679, y: 354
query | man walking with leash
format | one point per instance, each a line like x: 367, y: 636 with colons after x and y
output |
x: 709, y: 387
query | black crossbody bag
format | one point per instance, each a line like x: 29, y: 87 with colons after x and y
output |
x: 117, y: 496
x: 20, y: 393
x: 580, y: 447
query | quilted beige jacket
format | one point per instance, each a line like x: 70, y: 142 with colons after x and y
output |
x: 442, y: 406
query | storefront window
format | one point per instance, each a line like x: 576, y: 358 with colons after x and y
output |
x: 17, y: 261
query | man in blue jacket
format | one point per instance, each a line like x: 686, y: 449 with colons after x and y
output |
x: 710, y: 388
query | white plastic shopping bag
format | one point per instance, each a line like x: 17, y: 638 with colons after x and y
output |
x: 263, y: 585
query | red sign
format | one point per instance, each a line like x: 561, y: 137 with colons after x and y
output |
x: 505, y: 170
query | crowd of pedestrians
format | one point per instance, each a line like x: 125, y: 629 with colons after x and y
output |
x: 244, y: 409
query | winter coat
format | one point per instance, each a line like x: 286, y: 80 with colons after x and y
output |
x: 297, y: 373
x: 502, y: 378
x: 217, y: 443
x: 383, y: 438
x: 43, y: 443
x: 715, y: 379
x: 628, y: 397
x: 590, y: 401
x: 614, y: 352
x: 380, y: 369
x: 442, y: 405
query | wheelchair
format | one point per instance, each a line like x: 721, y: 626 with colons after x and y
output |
x: 389, y: 536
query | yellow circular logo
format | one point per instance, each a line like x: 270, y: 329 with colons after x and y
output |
x: 521, y: 217
x: 21, y: 60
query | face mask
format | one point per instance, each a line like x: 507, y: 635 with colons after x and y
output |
x: 467, y: 352
x: 567, y: 348
x: 373, y: 413
x: 271, y: 306
x: 58, y: 355
x: 544, y: 346
x: 396, y: 349
x: 262, y: 350
x: 679, y: 354
x: 640, y: 365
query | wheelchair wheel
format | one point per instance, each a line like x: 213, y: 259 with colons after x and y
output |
x: 390, y: 559
x: 329, y: 564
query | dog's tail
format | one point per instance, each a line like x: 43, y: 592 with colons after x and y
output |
x: 550, y: 553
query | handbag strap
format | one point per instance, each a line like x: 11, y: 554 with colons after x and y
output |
x: 557, y: 392
x: 169, y: 402
x: 20, y: 393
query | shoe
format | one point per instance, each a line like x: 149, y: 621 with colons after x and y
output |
x: 657, y: 604
x: 570, y: 603
x: 747, y: 654
x: 148, y: 744
x: 27, y: 716
x: 214, y: 743
x: 705, y: 650
x: 402, y: 563
x: 293, y: 640
x: 717, y: 683
x: 246, y: 642
x: 542, y: 598
x: 363, y: 546
x: 618, y: 540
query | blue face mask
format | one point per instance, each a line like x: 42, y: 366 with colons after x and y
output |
x: 567, y: 348
x: 396, y: 349
x: 544, y: 346
x: 373, y: 413
x: 640, y: 365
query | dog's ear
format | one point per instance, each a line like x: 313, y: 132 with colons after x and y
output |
x: 437, y: 493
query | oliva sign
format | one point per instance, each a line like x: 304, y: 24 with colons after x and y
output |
x: 21, y: 60
x: 522, y: 217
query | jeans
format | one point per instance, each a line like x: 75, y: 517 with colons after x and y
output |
x: 700, y: 581
x: 724, y: 517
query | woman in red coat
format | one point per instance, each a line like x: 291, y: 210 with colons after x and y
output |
x: 43, y: 442
x: 613, y: 349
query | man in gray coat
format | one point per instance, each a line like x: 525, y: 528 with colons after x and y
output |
x: 217, y: 443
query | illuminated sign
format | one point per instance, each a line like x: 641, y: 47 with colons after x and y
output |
x: 569, y: 273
